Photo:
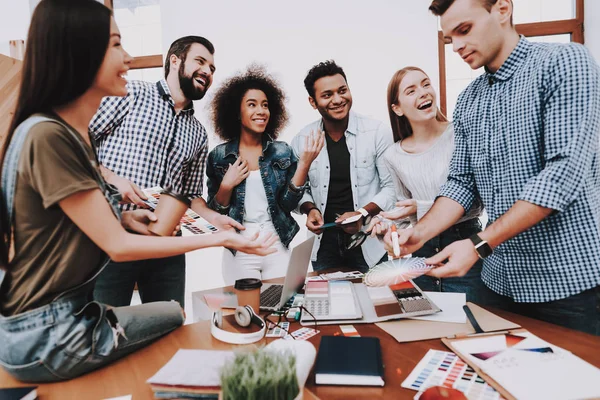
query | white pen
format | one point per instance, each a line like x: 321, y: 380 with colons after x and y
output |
x: 395, y: 243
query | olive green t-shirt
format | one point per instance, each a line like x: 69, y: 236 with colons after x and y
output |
x: 52, y: 254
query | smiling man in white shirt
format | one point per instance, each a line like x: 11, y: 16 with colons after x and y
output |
x: 349, y: 178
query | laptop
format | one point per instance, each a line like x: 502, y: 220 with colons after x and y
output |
x: 274, y: 296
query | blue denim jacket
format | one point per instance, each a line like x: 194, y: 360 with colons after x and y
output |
x: 277, y: 167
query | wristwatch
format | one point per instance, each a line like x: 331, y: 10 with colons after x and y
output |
x: 365, y: 214
x: 482, y: 247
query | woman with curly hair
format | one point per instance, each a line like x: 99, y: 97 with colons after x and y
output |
x: 252, y: 177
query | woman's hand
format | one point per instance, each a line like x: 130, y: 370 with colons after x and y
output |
x: 253, y: 245
x: 237, y: 172
x: 403, y: 209
x: 379, y: 226
x: 312, y: 147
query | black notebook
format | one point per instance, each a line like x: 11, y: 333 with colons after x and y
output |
x: 349, y: 361
x: 22, y: 393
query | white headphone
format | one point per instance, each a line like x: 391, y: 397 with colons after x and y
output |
x: 244, y: 316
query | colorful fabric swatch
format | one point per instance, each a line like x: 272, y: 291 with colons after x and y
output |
x: 301, y: 334
x: 279, y: 330
x: 191, y: 221
x: 442, y: 368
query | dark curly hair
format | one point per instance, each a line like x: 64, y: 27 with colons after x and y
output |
x: 322, y: 69
x: 225, y: 106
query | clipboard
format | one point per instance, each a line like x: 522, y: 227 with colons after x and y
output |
x: 410, y: 330
x: 490, y: 381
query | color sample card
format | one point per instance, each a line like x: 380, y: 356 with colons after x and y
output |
x: 338, y: 276
x: 349, y: 330
x: 442, y: 368
x: 279, y: 330
x: 191, y: 221
x: 301, y: 334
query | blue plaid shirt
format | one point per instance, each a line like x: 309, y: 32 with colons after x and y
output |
x: 139, y: 137
x: 530, y: 132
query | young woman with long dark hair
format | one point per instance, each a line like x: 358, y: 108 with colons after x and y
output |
x: 60, y: 222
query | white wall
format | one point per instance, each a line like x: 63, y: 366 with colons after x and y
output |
x: 592, y: 27
x: 369, y: 41
x: 14, y: 22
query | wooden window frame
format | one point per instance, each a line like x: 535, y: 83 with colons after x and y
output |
x: 574, y: 27
x: 151, y: 61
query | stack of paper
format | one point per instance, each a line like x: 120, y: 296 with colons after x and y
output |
x: 191, y: 374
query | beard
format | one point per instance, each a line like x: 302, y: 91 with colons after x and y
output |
x: 189, y: 89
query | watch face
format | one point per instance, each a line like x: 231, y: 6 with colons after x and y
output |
x: 484, y: 250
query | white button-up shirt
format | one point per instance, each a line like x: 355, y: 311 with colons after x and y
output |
x: 367, y: 139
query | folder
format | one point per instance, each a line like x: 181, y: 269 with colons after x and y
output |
x: 409, y: 330
x: 527, y: 368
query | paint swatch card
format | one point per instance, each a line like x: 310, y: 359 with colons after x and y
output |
x: 301, y: 334
x: 279, y: 330
x: 443, y: 368
x: 531, y: 368
x: 349, y: 330
x: 191, y: 221
x: 339, y: 276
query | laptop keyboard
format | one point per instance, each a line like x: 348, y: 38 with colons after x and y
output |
x: 271, y: 296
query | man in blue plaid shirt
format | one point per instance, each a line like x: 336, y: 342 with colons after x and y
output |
x: 527, y: 144
x: 151, y: 138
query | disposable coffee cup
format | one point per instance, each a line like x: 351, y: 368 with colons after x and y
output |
x: 171, y: 207
x: 248, y: 292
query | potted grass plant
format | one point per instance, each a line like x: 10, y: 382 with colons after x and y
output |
x: 276, y: 372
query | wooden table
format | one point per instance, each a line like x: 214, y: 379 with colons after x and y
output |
x: 129, y: 375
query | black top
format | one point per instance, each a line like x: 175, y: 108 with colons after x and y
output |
x: 339, y: 196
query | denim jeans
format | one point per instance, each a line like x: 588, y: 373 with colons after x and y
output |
x: 580, y: 312
x: 72, y: 336
x: 333, y: 253
x: 159, y: 279
x: 470, y: 284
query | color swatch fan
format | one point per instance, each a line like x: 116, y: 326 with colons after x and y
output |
x: 396, y: 271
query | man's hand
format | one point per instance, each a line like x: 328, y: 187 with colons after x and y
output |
x: 236, y: 173
x: 314, y: 220
x: 410, y: 240
x: 130, y: 192
x: 138, y: 220
x: 352, y: 227
x: 461, y: 256
x: 254, y: 245
x: 226, y: 223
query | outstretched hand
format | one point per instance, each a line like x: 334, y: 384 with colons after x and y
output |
x: 254, y: 245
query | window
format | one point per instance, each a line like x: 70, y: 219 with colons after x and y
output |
x: 539, y: 20
x: 139, y: 22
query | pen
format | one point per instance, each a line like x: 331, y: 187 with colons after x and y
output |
x: 478, y: 334
x: 395, y: 243
x: 472, y: 319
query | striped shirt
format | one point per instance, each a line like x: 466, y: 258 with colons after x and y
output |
x: 530, y: 132
x: 140, y: 137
